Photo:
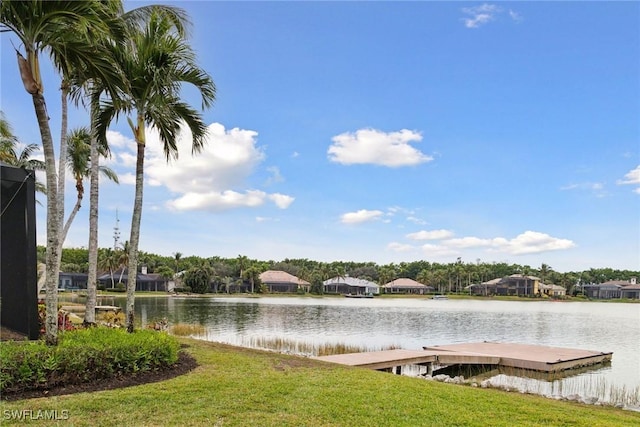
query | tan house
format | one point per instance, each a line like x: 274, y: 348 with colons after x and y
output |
x: 281, y: 281
x: 406, y: 286
x: 516, y: 284
x: 553, y: 291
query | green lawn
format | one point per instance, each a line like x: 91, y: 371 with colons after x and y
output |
x: 241, y: 387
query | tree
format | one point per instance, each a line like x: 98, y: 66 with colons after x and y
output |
x: 108, y: 261
x: 157, y: 61
x: 21, y: 159
x: 198, y: 278
x: 66, y: 30
x: 252, y: 274
x: 123, y: 260
x: 242, y: 263
x: 79, y: 162
x: 545, y: 270
x: 176, y: 258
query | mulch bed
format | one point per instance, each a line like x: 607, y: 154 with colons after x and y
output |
x: 185, y: 364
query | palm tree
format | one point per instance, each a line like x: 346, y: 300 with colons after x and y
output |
x: 79, y: 162
x: 157, y: 60
x: 176, y: 258
x: 8, y: 140
x: 95, y: 88
x: 66, y: 30
x: 123, y: 260
x: 21, y: 159
x: 108, y: 261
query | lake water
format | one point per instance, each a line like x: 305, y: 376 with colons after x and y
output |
x: 412, y: 323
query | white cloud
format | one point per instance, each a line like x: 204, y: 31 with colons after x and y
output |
x: 469, y: 242
x: 430, y: 235
x: 480, y: 15
x: 218, y: 201
x: 127, y: 178
x: 125, y: 159
x: 371, y: 146
x: 485, y: 13
x: 632, y: 178
x: 118, y: 140
x: 528, y: 242
x: 211, y: 180
x: 281, y: 200
x: 531, y: 242
x: 226, y: 160
x: 431, y: 250
x: 363, y: 215
x: 399, y: 247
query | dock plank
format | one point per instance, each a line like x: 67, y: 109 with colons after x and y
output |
x: 524, y: 356
x: 529, y: 356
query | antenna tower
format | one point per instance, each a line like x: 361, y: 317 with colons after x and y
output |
x: 116, y: 233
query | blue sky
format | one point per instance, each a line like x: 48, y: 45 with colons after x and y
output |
x: 389, y: 132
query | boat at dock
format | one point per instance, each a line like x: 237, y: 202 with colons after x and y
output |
x: 369, y: 295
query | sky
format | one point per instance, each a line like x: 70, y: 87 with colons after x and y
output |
x: 388, y: 132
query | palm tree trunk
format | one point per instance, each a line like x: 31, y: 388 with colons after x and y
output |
x: 92, y: 282
x: 135, y: 225
x: 62, y: 164
x: 67, y: 225
x: 53, y: 240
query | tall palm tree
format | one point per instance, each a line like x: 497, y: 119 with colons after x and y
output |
x: 95, y: 88
x: 157, y: 61
x: 66, y: 30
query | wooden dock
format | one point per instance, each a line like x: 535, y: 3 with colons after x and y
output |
x: 522, y: 356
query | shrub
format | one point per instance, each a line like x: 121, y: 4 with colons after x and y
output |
x: 83, y: 355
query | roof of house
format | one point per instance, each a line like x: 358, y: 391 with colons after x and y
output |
x: 552, y: 287
x: 151, y: 277
x: 277, y: 276
x: 351, y: 281
x: 618, y: 282
x: 404, y: 283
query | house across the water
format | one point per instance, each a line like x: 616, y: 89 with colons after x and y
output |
x: 406, y: 286
x: 350, y: 286
x: 613, y: 289
x: 281, y: 281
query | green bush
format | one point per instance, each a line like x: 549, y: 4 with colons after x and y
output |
x: 82, y: 356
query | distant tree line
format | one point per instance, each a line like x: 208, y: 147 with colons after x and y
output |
x: 227, y: 273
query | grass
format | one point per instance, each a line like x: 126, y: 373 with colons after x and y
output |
x: 238, y: 387
x: 186, y: 329
x: 291, y: 346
